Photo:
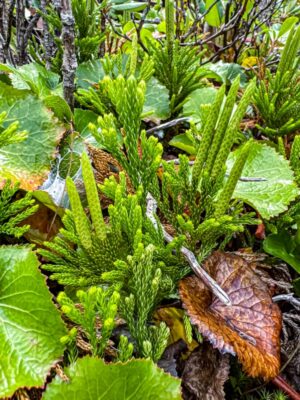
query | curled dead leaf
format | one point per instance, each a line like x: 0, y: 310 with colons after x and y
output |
x: 205, y: 373
x: 105, y: 166
x: 250, y: 327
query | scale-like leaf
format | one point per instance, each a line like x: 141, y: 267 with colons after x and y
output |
x: 273, y: 195
x: 249, y: 327
x: 30, y: 325
x: 29, y: 162
x: 90, y: 379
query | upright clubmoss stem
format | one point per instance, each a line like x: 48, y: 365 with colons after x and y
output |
x: 207, y: 136
x: 170, y: 30
x: 226, y: 195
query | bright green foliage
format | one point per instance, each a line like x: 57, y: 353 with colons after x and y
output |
x: 284, y: 237
x: 285, y: 246
x: 197, y: 203
x: 97, y: 245
x: 88, y: 32
x: 69, y: 341
x: 220, y: 130
x: 13, y: 212
x: 265, y: 394
x: 30, y: 324
x: 10, y: 134
x: 87, y: 16
x: 86, y: 250
x: 145, y: 286
x: 139, y: 156
x: 125, y: 349
x: 89, y: 252
x: 196, y: 103
x: 35, y: 78
x: 29, y: 161
x: 230, y: 131
x: 275, y: 188
x: 227, y: 192
x: 295, y: 158
x: 278, y: 96
x: 92, y: 92
x: 98, y: 308
x: 176, y: 67
x: 207, y: 136
x: 90, y: 378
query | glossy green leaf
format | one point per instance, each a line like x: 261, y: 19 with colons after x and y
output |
x: 226, y: 72
x: 91, y: 379
x: 82, y: 118
x: 10, y: 94
x: 272, y: 196
x: 282, y: 245
x: 130, y: 6
x: 214, y: 16
x: 156, y: 100
x: 45, y: 198
x: 192, y: 108
x: 59, y: 106
x: 30, y: 161
x: 34, y: 77
x: 30, y: 324
x: 89, y: 73
x: 287, y: 25
x: 183, y: 142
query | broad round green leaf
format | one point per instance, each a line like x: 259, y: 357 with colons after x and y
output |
x: 59, y: 106
x: 91, y: 379
x: 29, y: 162
x: 283, y: 246
x: 88, y: 73
x: 272, y: 196
x: 226, y: 72
x: 192, y: 108
x: 183, y: 142
x: 30, y: 325
x: 215, y: 13
x: 34, y: 77
x: 156, y: 100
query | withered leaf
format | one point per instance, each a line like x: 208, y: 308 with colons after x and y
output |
x: 250, y: 327
x: 205, y: 373
x: 105, y: 166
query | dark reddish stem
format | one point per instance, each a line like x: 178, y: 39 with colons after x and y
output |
x: 285, y: 387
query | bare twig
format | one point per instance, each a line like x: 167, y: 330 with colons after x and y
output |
x: 190, y: 257
x: 288, y: 298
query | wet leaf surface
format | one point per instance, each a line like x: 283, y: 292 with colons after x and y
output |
x: 250, y: 327
x: 90, y: 378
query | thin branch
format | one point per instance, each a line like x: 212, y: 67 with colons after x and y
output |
x: 190, y: 257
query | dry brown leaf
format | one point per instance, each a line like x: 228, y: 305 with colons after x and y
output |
x: 44, y: 225
x: 104, y: 166
x: 205, y: 373
x: 250, y: 327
